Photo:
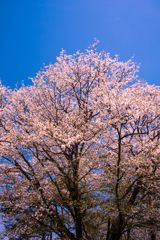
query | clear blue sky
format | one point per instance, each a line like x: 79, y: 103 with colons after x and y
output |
x: 34, y: 31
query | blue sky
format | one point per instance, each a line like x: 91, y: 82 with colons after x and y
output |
x: 34, y: 31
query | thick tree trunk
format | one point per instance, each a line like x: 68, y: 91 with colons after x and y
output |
x: 51, y: 236
x: 152, y: 235
x: 78, y: 227
x: 115, y: 232
x: 43, y: 236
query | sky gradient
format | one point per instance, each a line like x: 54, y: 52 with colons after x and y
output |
x: 34, y: 31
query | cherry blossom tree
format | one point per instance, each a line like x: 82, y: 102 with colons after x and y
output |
x: 80, y: 152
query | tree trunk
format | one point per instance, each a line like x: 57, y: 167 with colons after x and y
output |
x: 115, y: 232
x: 152, y: 235
x: 43, y: 236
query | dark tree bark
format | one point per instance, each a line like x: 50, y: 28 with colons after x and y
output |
x: 116, y: 229
x: 152, y: 235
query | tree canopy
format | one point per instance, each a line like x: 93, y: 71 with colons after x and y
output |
x: 80, y: 152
